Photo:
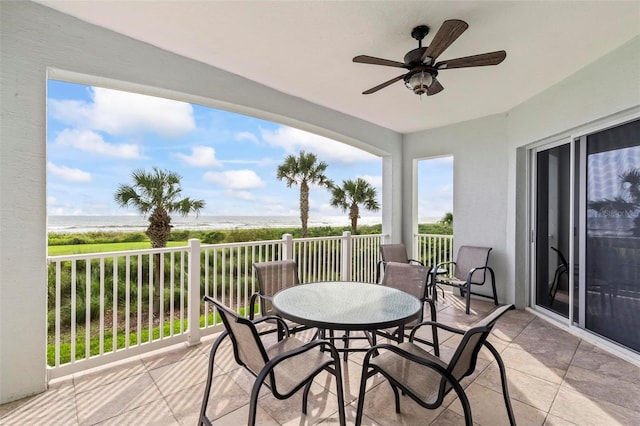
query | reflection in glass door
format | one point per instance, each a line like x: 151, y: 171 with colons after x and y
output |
x: 611, y: 286
x: 552, y: 228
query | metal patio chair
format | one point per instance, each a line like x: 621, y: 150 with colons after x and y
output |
x: 412, y: 279
x: 272, y: 277
x: 470, y: 268
x: 393, y: 253
x: 285, y: 367
x: 426, y: 378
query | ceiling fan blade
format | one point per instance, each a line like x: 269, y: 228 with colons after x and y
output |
x: 435, y: 88
x: 481, y: 60
x: 364, y: 59
x: 448, y: 33
x: 383, y: 85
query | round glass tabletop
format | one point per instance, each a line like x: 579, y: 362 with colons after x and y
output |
x: 346, y: 305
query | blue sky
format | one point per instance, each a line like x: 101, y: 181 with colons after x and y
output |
x: 96, y: 137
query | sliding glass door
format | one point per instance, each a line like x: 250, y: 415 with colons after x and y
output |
x: 552, y: 227
x: 586, y: 231
x: 612, y: 221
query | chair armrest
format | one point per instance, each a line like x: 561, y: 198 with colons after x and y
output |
x: 274, y: 318
x: 443, y: 264
x: 434, y: 324
x: 252, y: 302
x: 480, y: 268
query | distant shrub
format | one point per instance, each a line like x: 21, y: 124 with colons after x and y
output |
x: 213, y: 237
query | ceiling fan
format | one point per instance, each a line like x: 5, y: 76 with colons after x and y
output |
x: 421, y: 64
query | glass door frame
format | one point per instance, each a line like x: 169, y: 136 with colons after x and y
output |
x: 533, y: 190
x: 577, y: 138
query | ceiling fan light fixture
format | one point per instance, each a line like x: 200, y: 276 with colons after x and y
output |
x: 419, y: 82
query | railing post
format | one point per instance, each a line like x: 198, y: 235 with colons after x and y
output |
x: 287, y: 247
x: 193, y: 315
x: 345, y: 271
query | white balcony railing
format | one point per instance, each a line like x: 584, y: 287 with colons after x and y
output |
x: 102, y: 306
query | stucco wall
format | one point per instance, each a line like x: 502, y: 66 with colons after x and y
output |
x: 479, y: 149
x: 490, y: 161
x: 35, y: 38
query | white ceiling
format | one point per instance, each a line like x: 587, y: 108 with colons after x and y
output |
x: 305, y: 48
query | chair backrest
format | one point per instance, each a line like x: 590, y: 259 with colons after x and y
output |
x: 409, y: 278
x: 470, y: 257
x: 248, y: 349
x: 394, y: 253
x: 463, y: 361
x: 273, y: 277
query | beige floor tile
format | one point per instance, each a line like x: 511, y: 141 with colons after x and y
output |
x: 226, y: 396
x: 56, y: 406
x: 541, y: 337
x: 592, y: 358
x: 521, y: 386
x: 241, y: 415
x: 488, y: 409
x: 182, y: 374
x: 603, y: 387
x: 169, y: 357
x: 322, y: 404
x: 104, y: 402
x: 449, y: 418
x: 552, y: 420
x: 542, y: 366
x: 583, y: 410
x: 379, y: 408
x: 87, y: 381
x: 154, y: 413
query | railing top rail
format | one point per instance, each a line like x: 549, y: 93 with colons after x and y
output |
x: 434, y: 235
x: 108, y: 254
x: 125, y: 253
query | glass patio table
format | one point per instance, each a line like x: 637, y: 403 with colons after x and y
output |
x: 349, y: 306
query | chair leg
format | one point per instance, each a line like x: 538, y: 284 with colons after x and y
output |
x: 503, y: 379
x: 493, y: 285
x: 467, y: 293
x: 339, y: 388
x: 305, y: 396
x: 207, y: 388
x: 363, y: 386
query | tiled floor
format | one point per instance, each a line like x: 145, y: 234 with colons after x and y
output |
x: 554, y: 379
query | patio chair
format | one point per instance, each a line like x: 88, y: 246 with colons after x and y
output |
x: 284, y: 368
x: 412, y: 279
x: 393, y: 253
x: 272, y: 277
x: 562, y: 269
x: 426, y: 378
x: 470, y: 268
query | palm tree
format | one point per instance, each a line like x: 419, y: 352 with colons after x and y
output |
x: 158, y: 193
x: 303, y: 170
x: 353, y: 194
x: 626, y: 204
x: 447, y: 219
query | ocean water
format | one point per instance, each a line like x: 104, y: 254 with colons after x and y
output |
x: 69, y: 224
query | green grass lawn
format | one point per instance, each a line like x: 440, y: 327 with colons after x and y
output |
x: 105, y: 247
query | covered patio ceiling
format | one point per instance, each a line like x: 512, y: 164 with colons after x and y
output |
x: 305, y: 48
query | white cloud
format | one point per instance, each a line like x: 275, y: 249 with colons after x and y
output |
x: 124, y: 113
x: 235, y: 179
x: 375, y: 181
x: 246, y: 136
x: 294, y: 140
x: 88, y: 141
x: 241, y: 195
x: 51, y: 200
x: 68, y: 174
x: 201, y: 156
